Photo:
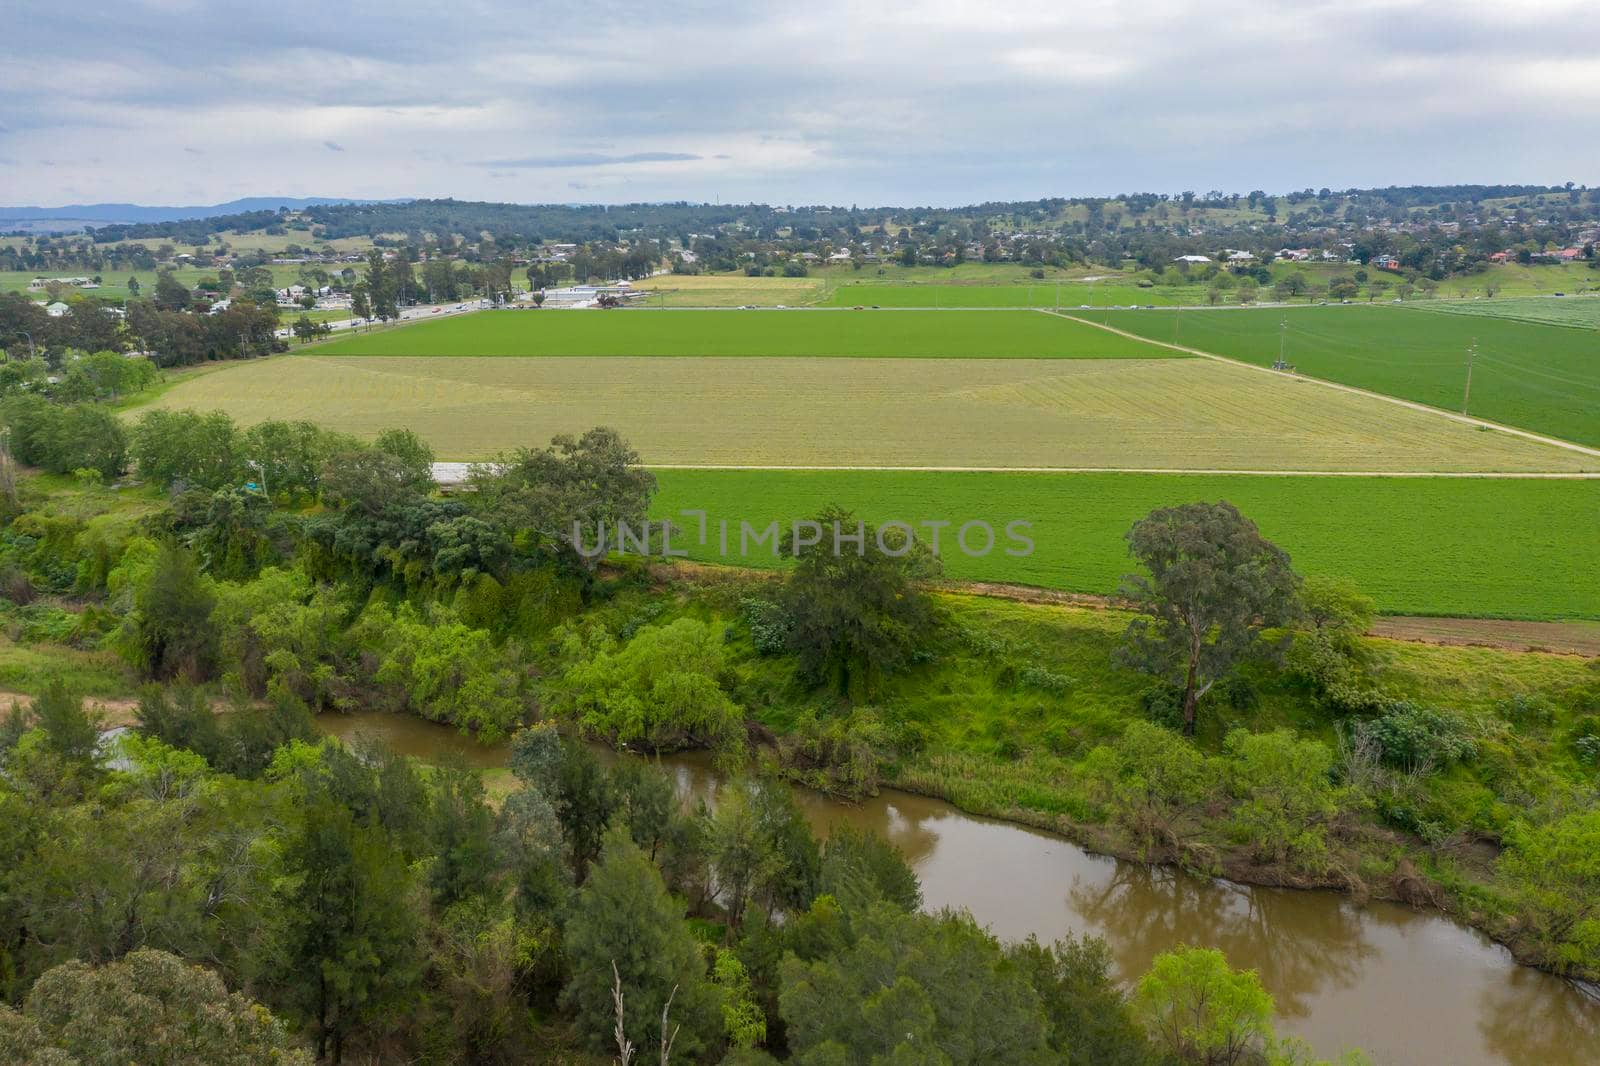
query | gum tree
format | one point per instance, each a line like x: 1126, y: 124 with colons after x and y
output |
x: 1214, y: 583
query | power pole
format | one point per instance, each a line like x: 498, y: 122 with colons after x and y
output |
x: 1283, y: 339
x: 1466, y: 394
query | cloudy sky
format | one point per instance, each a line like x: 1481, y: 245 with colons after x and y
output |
x: 935, y: 102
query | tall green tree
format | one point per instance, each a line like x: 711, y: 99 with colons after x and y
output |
x: 859, y: 868
x: 199, y: 450
x: 352, y: 929
x: 1214, y: 583
x: 856, y: 606
x: 462, y: 837
x: 575, y: 490
x: 913, y: 988
x: 1199, y: 1010
x: 625, y: 918
x: 1286, y: 795
x: 584, y: 802
x: 662, y: 689
x: 1090, y: 1017
x: 170, y: 633
x: 149, y: 1007
x: 70, y: 731
x: 380, y: 283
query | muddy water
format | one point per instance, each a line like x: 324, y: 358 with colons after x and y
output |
x: 1408, y: 987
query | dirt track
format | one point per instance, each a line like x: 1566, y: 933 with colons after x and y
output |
x: 1563, y: 638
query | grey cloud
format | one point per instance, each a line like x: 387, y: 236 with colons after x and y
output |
x: 587, y: 159
x: 898, y: 102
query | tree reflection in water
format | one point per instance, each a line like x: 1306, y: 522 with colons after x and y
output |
x: 1382, y: 975
x: 1523, y: 1022
x: 1294, y: 940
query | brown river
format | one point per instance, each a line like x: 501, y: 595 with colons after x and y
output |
x: 1408, y: 987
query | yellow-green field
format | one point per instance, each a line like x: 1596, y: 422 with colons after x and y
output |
x: 1189, y: 414
x: 729, y: 290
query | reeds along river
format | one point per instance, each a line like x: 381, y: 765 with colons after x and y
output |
x: 1408, y: 987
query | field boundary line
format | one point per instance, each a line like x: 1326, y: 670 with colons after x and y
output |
x: 450, y: 471
x: 1466, y: 420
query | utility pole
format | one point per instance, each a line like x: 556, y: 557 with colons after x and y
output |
x: 1466, y: 394
x: 1283, y: 340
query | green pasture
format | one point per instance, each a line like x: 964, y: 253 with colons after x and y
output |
x: 974, y: 334
x: 1539, y: 377
x: 1581, y: 312
x: 1445, y: 546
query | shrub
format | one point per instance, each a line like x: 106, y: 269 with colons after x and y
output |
x: 1045, y: 680
x: 447, y: 671
x: 1413, y: 736
x: 1149, y: 783
x: 1586, y: 740
x: 769, y: 625
x: 15, y: 586
x: 1554, y: 872
x: 1286, y: 795
x: 1235, y: 692
x: 1331, y: 667
x: 841, y: 755
x: 1162, y: 704
x: 662, y: 689
x: 1526, y: 710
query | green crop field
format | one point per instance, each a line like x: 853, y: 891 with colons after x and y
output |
x: 1582, y: 312
x: 1514, y: 549
x: 1538, y: 377
x: 1066, y: 294
x: 1097, y: 413
x: 976, y: 334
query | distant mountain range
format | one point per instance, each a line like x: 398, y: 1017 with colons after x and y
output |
x: 79, y: 216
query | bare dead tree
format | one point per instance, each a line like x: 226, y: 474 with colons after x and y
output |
x: 624, y: 1045
x: 666, y: 1041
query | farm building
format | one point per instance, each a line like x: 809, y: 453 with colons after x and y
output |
x: 38, y: 284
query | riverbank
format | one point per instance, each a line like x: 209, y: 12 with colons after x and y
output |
x: 1392, y: 978
x: 1017, y: 710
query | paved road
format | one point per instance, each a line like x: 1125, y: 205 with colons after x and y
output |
x: 409, y: 314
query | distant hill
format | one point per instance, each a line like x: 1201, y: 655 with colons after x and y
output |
x: 80, y: 216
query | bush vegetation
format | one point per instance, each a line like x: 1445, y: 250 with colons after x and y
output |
x: 375, y: 904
